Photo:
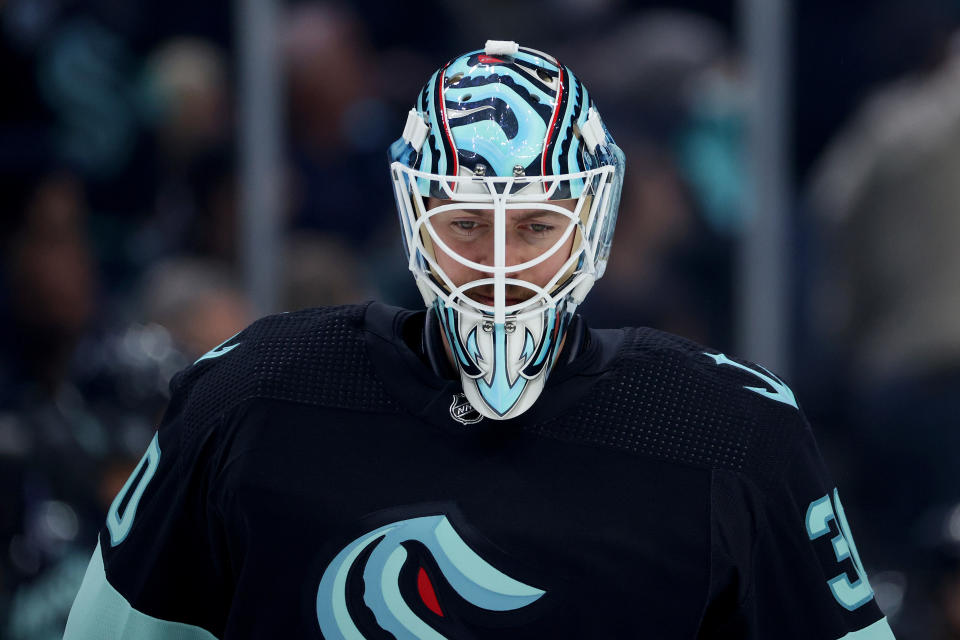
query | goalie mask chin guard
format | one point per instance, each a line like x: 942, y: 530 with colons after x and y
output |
x: 498, y: 136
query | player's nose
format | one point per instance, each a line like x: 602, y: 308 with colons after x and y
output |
x: 512, y: 258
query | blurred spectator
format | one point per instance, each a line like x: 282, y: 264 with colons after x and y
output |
x: 843, y: 51
x: 946, y: 598
x: 187, y: 108
x: 197, y: 301
x: 933, y: 601
x: 321, y: 271
x: 944, y: 578
x: 671, y: 272
x: 188, y: 85
x: 50, y: 278
x: 677, y: 112
x: 645, y: 66
x: 214, y: 228
x: 887, y: 197
x: 889, y: 302
x: 65, y: 439
x: 338, y: 125
x: 655, y: 218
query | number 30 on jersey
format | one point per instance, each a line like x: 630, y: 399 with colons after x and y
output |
x: 119, y: 525
x: 850, y: 595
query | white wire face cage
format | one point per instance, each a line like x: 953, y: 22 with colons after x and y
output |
x: 505, y: 349
x: 587, y: 202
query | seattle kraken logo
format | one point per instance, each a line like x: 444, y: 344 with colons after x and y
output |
x: 470, y: 576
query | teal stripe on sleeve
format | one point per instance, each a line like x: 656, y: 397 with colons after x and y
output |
x: 99, y: 612
x: 879, y: 630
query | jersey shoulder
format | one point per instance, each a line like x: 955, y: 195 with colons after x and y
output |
x: 671, y: 398
x: 167, y: 525
x: 315, y: 356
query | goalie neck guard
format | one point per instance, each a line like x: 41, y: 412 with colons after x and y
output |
x: 507, y: 185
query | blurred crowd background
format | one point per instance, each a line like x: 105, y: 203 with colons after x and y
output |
x: 119, y: 233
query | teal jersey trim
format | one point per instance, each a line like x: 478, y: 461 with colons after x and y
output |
x: 879, y: 630
x: 780, y: 392
x: 100, y: 611
x: 219, y: 350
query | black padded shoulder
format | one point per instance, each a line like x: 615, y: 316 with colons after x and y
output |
x: 316, y: 356
x: 666, y: 398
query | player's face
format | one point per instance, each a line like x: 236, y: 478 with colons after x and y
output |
x: 530, y: 233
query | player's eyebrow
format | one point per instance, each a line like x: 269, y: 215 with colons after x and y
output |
x: 535, y: 213
x: 520, y: 215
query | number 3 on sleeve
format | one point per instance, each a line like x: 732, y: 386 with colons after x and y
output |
x: 850, y: 595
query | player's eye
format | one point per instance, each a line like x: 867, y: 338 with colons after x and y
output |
x: 540, y: 229
x: 465, y: 227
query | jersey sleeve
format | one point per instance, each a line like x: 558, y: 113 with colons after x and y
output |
x: 785, y: 564
x: 158, y: 570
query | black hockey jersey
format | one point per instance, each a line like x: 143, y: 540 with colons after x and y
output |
x: 313, y: 478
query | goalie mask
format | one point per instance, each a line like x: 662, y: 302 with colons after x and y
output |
x: 507, y: 185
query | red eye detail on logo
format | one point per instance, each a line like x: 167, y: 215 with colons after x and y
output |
x: 427, y: 594
x: 485, y: 59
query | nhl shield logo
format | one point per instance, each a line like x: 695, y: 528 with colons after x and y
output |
x: 462, y: 411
